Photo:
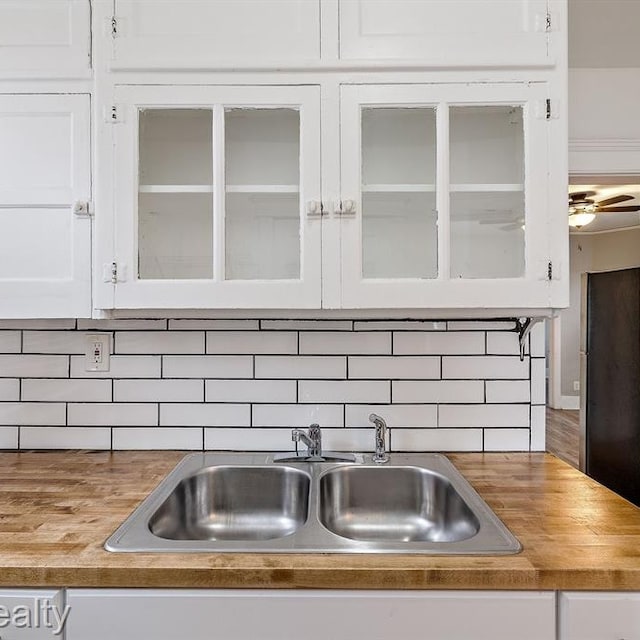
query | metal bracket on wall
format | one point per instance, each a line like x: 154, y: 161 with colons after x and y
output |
x: 523, y: 327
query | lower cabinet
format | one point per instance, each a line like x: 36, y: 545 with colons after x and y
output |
x: 131, y: 614
x: 599, y: 616
x: 32, y: 614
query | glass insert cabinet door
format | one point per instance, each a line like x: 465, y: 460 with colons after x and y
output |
x: 444, y: 194
x: 217, y: 194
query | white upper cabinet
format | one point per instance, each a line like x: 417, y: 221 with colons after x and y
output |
x: 45, y: 38
x: 201, y: 34
x: 447, y: 32
x: 217, y: 197
x: 45, y: 185
x: 444, y: 196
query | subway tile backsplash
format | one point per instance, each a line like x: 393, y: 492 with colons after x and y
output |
x: 244, y: 384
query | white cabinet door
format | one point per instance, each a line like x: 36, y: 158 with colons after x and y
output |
x: 45, y: 248
x: 205, y: 34
x: 130, y: 614
x: 44, y: 38
x: 444, y: 196
x: 599, y: 616
x: 446, y: 32
x: 29, y: 614
x: 217, y: 197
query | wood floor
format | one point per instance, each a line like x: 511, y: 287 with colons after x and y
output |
x: 563, y: 435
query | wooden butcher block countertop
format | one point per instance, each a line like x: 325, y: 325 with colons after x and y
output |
x: 58, y: 508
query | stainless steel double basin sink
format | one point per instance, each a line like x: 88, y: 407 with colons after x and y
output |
x: 219, y: 502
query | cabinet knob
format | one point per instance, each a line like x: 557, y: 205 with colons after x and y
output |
x: 344, y: 207
x: 314, y: 208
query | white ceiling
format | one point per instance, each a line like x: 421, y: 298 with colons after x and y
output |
x: 610, y: 221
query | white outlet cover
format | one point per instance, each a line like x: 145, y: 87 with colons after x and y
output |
x: 104, y: 342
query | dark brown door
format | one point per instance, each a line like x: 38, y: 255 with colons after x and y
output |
x: 613, y: 381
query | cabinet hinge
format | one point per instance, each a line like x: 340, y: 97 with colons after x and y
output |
x: 549, y: 270
x: 114, y: 272
x: 548, y: 109
x: 114, y: 26
x: 112, y: 114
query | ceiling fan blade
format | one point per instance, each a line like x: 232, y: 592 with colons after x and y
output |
x: 614, y: 200
x: 581, y: 195
x: 630, y: 208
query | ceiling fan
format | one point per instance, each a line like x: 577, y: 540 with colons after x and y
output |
x: 583, y: 208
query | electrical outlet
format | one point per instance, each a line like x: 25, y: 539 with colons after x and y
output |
x: 576, y: 385
x: 97, y: 352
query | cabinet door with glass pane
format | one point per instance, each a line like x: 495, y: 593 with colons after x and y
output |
x: 217, y: 195
x: 444, y: 196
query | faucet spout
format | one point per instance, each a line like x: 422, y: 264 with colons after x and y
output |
x: 380, y: 455
x: 311, y: 438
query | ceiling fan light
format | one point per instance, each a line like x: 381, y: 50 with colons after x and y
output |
x: 581, y: 219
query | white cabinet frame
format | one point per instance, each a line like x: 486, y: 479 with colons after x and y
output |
x: 532, y: 290
x: 133, y: 293
x: 51, y: 185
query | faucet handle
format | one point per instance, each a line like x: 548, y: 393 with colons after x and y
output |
x: 380, y: 455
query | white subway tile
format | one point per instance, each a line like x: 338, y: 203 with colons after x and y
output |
x: 111, y: 415
x: 250, y: 391
x: 507, y: 391
x: 438, y: 391
x: 157, y: 438
x: 120, y: 367
x: 248, y: 439
x: 252, y: 342
x: 9, y: 342
x: 344, y: 391
x: 67, y: 390
x: 308, y: 325
x: 438, y: 343
x: 538, y: 428
x: 480, y: 325
x: 538, y: 338
x: 158, y: 391
x: 484, y: 415
x: 502, y: 343
x: 38, y: 324
x: 121, y: 325
x: 65, y: 438
x: 400, y: 325
x: 26, y: 366
x: 205, y: 415
x: 436, y: 439
x: 220, y: 325
x: 506, y: 439
x: 348, y: 439
x: 159, y: 342
x: 300, y: 367
x: 9, y: 389
x: 8, y: 437
x: 297, y: 415
x: 394, y: 367
x: 32, y: 413
x: 395, y: 415
x: 488, y: 367
x: 63, y: 342
x: 538, y: 381
x: 329, y: 342
x: 207, y: 366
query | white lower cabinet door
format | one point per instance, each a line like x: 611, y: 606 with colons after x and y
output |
x: 27, y: 614
x: 45, y: 192
x: 132, y: 614
x: 599, y: 616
